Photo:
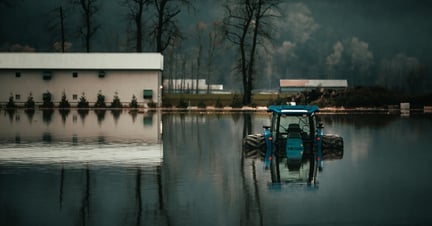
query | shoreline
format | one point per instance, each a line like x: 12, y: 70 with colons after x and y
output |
x: 324, y: 110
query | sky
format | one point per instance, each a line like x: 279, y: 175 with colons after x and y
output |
x: 368, y: 42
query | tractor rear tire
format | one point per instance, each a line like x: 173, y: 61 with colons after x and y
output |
x: 254, y: 145
x: 332, y: 147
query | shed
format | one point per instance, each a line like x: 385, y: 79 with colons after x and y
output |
x: 298, y: 85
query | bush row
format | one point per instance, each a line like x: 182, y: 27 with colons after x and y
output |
x: 82, y: 103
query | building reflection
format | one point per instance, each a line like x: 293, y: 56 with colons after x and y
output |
x: 84, y: 168
x: 61, y: 126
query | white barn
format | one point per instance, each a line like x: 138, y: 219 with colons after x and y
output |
x: 75, y: 74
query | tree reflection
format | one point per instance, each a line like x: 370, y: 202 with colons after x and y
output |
x: 116, y: 114
x: 138, y: 195
x: 64, y: 114
x: 85, y: 204
x: 47, y: 115
x: 257, y: 194
x: 83, y: 114
x: 47, y: 138
x: 62, y: 172
x: 237, y: 117
x: 247, y: 124
x: 74, y: 139
x: 101, y: 140
x: 11, y: 113
x: 100, y: 114
x: 17, y: 139
x: 30, y: 113
x: 133, y: 114
x: 252, y: 199
x: 160, y: 190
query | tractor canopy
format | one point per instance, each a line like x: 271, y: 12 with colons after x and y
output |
x: 293, y: 109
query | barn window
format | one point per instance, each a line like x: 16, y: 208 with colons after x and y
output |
x: 101, y: 74
x: 47, y: 75
x: 18, y: 74
x: 148, y: 94
x: 75, y: 74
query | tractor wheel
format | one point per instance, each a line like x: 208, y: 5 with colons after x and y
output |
x: 254, y: 145
x: 332, y: 147
x: 331, y: 141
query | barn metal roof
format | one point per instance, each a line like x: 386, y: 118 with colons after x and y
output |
x: 312, y: 83
x: 96, y: 61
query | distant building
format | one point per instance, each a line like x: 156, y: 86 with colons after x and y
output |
x: 126, y: 74
x: 190, y: 86
x: 298, y: 85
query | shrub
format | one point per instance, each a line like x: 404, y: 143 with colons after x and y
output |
x: 83, y: 103
x: 167, y: 104
x: 47, y: 100
x: 182, y: 104
x: 151, y: 104
x: 201, y: 104
x: 134, y: 102
x: 11, y: 102
x: 100, y: 102
x: 64, y: 103
x: 236, y: 101
x: 218, y: 103
x: 116, y: 102
x: 30, y: 104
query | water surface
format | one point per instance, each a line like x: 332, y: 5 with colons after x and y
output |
x: 154, y: 168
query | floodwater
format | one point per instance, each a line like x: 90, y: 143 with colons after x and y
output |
x: 155, y: 168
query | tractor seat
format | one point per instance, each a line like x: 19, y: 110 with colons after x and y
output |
x: 294, y: 128
x: 294, y: 131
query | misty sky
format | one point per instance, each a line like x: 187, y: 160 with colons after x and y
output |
x: 375, y: 42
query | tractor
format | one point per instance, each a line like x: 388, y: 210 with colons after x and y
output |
x: 295, y: 139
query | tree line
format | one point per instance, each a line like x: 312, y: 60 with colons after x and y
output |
x: 153, y: 26
x: 242, y: 47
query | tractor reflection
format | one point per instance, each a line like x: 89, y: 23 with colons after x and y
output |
x: 294, y: 146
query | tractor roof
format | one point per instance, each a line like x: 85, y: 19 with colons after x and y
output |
x: 293, y: 109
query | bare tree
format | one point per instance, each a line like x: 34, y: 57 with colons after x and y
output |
x: 199, y: 31
x: 89, y: 9
x: 206, y: 51
x: 247, y: 24
x: 57, y: 27
x: 136, y: 10
x: 164, y: 28
x: 62, y: 29
x: 214, y: 43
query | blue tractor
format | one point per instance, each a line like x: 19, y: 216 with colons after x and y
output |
x: 295, y: 139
